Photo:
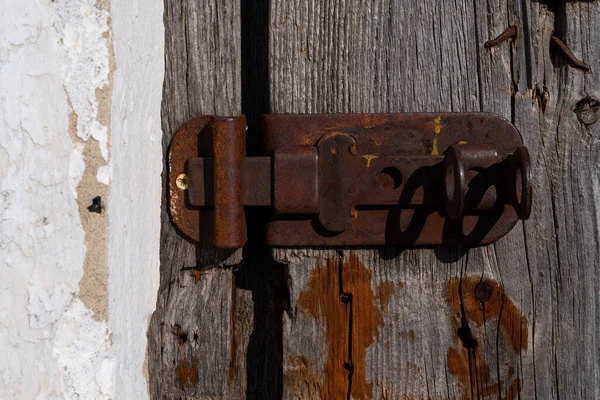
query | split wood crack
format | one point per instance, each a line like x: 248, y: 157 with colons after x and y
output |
x: 347, y: 299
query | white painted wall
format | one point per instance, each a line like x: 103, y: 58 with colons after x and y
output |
x: 54, y: 57
x: 134, y: 207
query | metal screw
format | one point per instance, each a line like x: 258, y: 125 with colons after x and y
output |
x: 182, y: 181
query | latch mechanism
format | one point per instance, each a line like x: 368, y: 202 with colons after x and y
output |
x: 352, y: 179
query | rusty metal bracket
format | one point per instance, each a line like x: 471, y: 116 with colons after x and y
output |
x: 352, y: 179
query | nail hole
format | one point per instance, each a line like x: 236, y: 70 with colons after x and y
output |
x: 346, y: 297
x: 390, y: 178
x: 183, y: 337
x: 96, y: 206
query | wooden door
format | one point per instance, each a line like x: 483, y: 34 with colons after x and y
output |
x: 515, y: 319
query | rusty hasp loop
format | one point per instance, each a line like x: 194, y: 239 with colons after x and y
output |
x: 352, y: 179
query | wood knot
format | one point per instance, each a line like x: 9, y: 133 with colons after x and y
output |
x: 483, y: 291
x: 587, y: 111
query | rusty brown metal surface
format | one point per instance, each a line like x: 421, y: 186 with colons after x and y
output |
x: 366, y: 179
x: 384, y: 178
x: 184, y: 146
x: 295, y: 182
x: 222, y: 141
x: 229, y: 149
x: 256, y: 181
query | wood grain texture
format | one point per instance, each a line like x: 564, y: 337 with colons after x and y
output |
x: 194, y: 342
x: 516, y: 319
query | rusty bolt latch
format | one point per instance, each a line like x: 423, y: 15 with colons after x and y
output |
x: 352, y: 179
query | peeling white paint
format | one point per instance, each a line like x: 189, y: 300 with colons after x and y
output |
x: 53, y: 57
x: 76, y: 167
x: 84, y: 55
x: 103, y: 174
x: 82, y: 346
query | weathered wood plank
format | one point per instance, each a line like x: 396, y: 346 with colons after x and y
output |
x: 194, y: 343
x: 514, y: 319
x: 562, y: 237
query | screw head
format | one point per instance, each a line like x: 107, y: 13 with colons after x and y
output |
x: 182, y: 181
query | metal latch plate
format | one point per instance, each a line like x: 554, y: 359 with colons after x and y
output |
x: 352, y: 179
x: 393, y: 178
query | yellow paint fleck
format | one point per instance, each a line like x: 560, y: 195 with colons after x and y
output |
x: 438, y: 125
x: 462, y: 142
x: 434, y: 151
x: 369, y: 158
x: 437, y: 128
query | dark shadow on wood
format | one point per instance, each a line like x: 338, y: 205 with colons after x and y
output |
x: 258, y: 272
x: 456, y: 241
x: 264, y: 358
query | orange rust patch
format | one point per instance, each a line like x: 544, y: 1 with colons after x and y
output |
x: 480, y: 302
x: 385, y: 292
x: 187, y: 372
x: 197, y: 273
x: 496, y: 305
x: 323, y: 300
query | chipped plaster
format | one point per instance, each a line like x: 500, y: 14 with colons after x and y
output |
x: 76, y: 296
x: 52, y: 346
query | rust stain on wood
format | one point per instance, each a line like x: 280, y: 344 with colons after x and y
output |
x: 187, y: 372
x: 323, y: 299
x: 477, y: 301
x: 197, y: 274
